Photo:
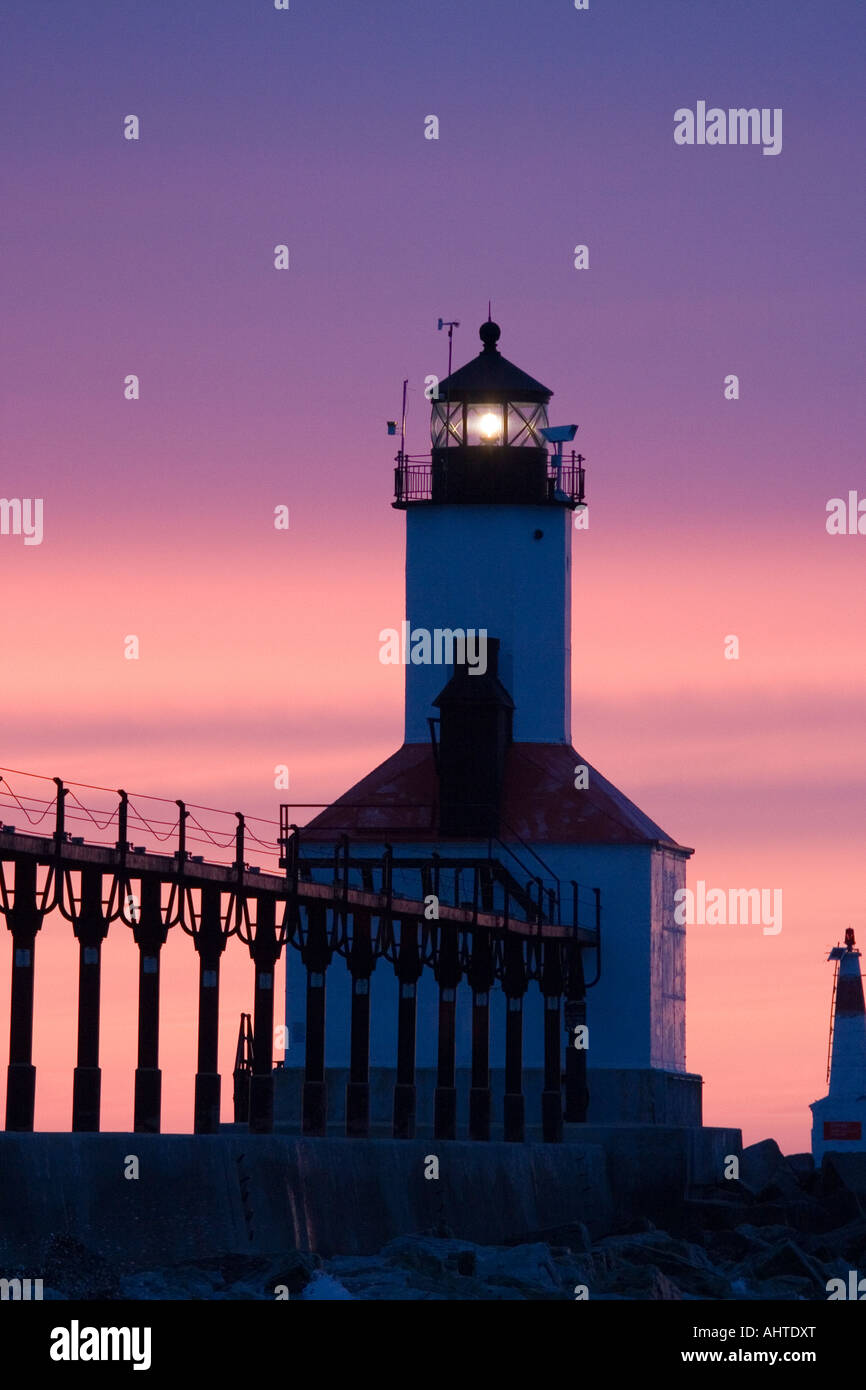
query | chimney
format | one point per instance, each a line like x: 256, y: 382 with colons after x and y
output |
x: 475, y: 717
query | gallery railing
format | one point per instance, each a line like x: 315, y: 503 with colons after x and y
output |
x: 352, y: 903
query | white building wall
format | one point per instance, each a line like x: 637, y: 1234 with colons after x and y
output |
x: 482, y: 567
x: 667, y: 964
x: 636, y: 1013
x: 838, y: 1111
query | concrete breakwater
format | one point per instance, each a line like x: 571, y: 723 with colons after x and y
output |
x: 141, y: 1200
x: 631, y: 1213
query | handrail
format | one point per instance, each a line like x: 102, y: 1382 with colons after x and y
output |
x: 413, y: 477
x: 546, y: 867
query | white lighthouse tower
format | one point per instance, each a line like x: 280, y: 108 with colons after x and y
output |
x: 490, y: 524
x: 490, y: 542
x: 839, y: 1120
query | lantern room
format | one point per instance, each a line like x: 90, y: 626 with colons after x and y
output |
x: 488, y: 442
x: 489, y: 402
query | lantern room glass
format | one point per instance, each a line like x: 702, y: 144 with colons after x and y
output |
x: 446, y: 425
x: 526, y: 420
x: 485, y: 422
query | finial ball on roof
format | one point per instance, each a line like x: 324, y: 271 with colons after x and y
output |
x: 489, y: 335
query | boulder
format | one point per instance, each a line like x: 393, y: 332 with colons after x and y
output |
x: 765, y: 1172
x: 639, y: 1282
x: 803, y: 1165
x: 295, y: 1270
x: 764, y: 1236
x: 771, y: 1213
x: 843, y: 1176
x: 77, y: 1272
x: 686, y: 1264
x: 522, y: 1266
x: 180, y: 1284
x: 431, y: 1255
x: 783, y: 1260
x: 806, y: 1214
x: 786, y: 1287
x: 696, y: 1216
x: 323, y: 1288
x: 573, y: 1236
x: 843, y: 1242
x: 730, y: 1246
x: 641, y: 1225
x: 837, y: 1269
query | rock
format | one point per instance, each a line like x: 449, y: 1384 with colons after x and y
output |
x: 375, y: 1278
x: 644, y: 1282
x: 295, y: 1270
x: 785, y: 1187
x: 837, y: 1269
x: 574, y: 1236
x: 440, y: 1231
x: 763, y: 1236
x: 807, y: 1215
x: 244, y: 1292
x: 640, y: 1226
x: 769, y: 1214
x: 730, y: 1246
x: 427, y: 1267
x: 782, y: 1260
x: 528, y: 1266
x: 394, y: 1287
x: 758, y: 1163
x: 654, y: 1247
x: 578, y: 1239
x: 698, y: 1215
x: 848, y: 1242
x: 662, y: 1287
x: 843, y: 1177
x: 764, y: 1171
x: 687, y: 1265
x: 177, y: 1284
x: 429, y: 1254
x: 77, y: 1272
x: 323, y: 1287
x: 344, y: 1267
x: 801, y: 1164
x: 579, y: 1269
x: 788, y: 1287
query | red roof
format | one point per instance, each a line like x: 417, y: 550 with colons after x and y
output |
x: 398, y: 801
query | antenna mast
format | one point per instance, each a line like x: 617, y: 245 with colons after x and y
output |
x: 444, y: 323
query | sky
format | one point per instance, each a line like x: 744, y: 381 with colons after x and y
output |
x: 262, y: 388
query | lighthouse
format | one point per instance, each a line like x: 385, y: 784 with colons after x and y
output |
x: 493, y: 517
x: 488, y: 541
x: 838, y: 1119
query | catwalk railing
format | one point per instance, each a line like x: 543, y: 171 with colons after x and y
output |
x: 468, y: 920
x: 415, y: 478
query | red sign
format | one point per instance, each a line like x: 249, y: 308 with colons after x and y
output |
x: 841, y: 1129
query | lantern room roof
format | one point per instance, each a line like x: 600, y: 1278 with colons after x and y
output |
x: 398, y: 801
x: 491, y: 377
